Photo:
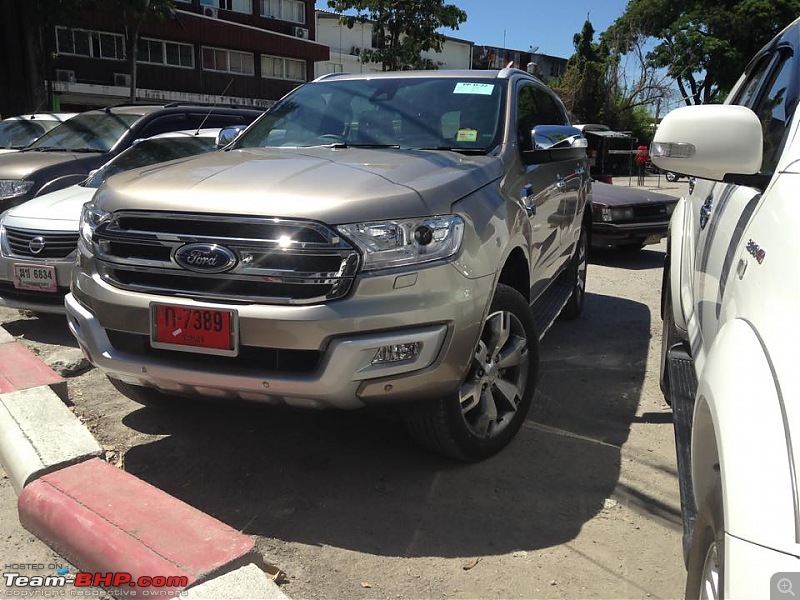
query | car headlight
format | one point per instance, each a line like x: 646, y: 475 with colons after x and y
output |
x: 91, y: 218
x: 11, y: 188
x: 397, y: 243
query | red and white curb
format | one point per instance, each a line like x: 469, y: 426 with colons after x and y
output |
x: 98, y: 517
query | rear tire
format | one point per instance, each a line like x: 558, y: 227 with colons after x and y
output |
x: 706, y: 568
x: 486, y: 412
x: 580, y: 262
x: 670, y: 176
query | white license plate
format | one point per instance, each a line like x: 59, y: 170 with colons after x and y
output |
x: 37, y: 278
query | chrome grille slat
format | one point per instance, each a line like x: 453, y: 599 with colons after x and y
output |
x: 273, y: 269
x: 57, y: 244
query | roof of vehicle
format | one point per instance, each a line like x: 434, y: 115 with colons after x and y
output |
x: 205, y: 132
x: 432, y: 74
x: 54, y: 116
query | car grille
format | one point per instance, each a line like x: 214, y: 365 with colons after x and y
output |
x: 56, y: 244
x: 278, y: 261
x: 651, y: 211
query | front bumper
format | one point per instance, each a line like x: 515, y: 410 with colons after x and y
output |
x: 442, y: 309
x: 750, y: 569
x: 605, y: 234
x: 38, y: 301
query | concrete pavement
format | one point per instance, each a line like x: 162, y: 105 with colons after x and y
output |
x: 100, y: 518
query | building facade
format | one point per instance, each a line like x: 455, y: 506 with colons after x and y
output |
x: 545, y: 67
x: 347, y: 44
x: 244, y: 52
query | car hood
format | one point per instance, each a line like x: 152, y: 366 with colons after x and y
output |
x: 19, y: 165
x: 57, y: 211
x: 622, y: 195
x: 340, y: 185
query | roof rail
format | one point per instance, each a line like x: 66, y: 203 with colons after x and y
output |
x: 329, y: 75
x: 507, y: 72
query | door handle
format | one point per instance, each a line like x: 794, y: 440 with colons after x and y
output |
x: 524, y: 196
x: 705, y: 213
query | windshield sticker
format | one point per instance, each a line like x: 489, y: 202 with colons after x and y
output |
x: 467, y: 135
x: 484, y: 89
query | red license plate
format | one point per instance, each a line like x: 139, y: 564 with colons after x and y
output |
x: 194, y: 329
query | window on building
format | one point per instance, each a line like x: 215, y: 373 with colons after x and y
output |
x: 96, y: 44
x: 241, y: 6
x: 227, y: 61
x: 285, y: 10
x: 277, y: 67
x: 160, y: 52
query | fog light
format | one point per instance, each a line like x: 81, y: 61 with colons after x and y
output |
x: 397, y: 353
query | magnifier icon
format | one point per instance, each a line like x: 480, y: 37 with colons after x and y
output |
x: 785, y: 586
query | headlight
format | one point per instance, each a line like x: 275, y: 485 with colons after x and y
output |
x: 621, y: 214
x: 11, y: 188
x: 387, y: 244
x: 91, y: 218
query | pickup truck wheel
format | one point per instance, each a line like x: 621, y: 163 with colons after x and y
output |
x: 670, y: 176
x: 580, y: 262
x: 147, y: 396
x: 486, y: 412
x: 705, y: 569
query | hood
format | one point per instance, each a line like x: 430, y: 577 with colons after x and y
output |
x: 19, y: 165
x: 622, y: 195
x: 57, y: 211
x: 342, y: 185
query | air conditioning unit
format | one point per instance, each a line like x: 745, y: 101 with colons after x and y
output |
x: 122, y: 80
x: 65, y: 75
x: 301, y: 32
x: 210, y: 11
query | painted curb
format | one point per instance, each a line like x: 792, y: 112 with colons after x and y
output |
x: 20, y: 369
x: 102, y: 519
x: 39, y: 434
x: 242, y: 584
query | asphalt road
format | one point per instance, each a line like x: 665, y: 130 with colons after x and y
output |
x: 583, y: 504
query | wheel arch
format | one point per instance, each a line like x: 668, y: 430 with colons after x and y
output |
x: 516, y: 272
x: 740, y: 437
x: 673, y: 261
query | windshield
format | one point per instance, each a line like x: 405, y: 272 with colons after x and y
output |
x: 18, y: 134
x: 413, y: 112
x: 150, y: 152
x: 97, y: 131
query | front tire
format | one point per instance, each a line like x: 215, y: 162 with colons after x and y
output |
x: 706, y: 569
x: 486, y: 412
x: 670, y: 176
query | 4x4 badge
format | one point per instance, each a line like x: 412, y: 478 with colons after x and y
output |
x: 757, y: 251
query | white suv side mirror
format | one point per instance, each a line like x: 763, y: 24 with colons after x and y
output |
x: 709, y: 141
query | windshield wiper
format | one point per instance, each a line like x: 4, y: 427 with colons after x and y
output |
x: 85, y: 150
x: 342, y: 145
x: 456, y: 149
x: 55, y: 149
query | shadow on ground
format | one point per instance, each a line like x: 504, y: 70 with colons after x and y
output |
x: 638, y: 260
x: 42, y: 328
x: 355, y: 481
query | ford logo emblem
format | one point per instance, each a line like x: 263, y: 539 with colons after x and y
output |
x: 205, y: 258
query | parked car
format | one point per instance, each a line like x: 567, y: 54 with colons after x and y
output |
x: 64, y: 155
x: 629, y: 218
x: 387, y: 239
x: 17, y: 132
x: 731, y: 324
x: 39, y: 239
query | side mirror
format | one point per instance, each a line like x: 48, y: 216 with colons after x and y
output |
x: 721, y: 142
x: 227, y: 134
x: 555, y: 142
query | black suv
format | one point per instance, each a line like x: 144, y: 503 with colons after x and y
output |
x: 65, y: 155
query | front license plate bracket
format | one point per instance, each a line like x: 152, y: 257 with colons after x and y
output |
x: 202, y: 330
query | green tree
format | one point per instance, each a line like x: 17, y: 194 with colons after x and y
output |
x: 584, y: 86
x: 703, y: 44
x: 403, y: 29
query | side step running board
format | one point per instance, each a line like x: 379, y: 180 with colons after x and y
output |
x: 683, y: 388
x: 548, y: 306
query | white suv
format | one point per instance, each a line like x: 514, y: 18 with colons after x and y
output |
x: 731, y: 324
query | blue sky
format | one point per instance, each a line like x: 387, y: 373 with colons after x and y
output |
x: 548, y: 24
